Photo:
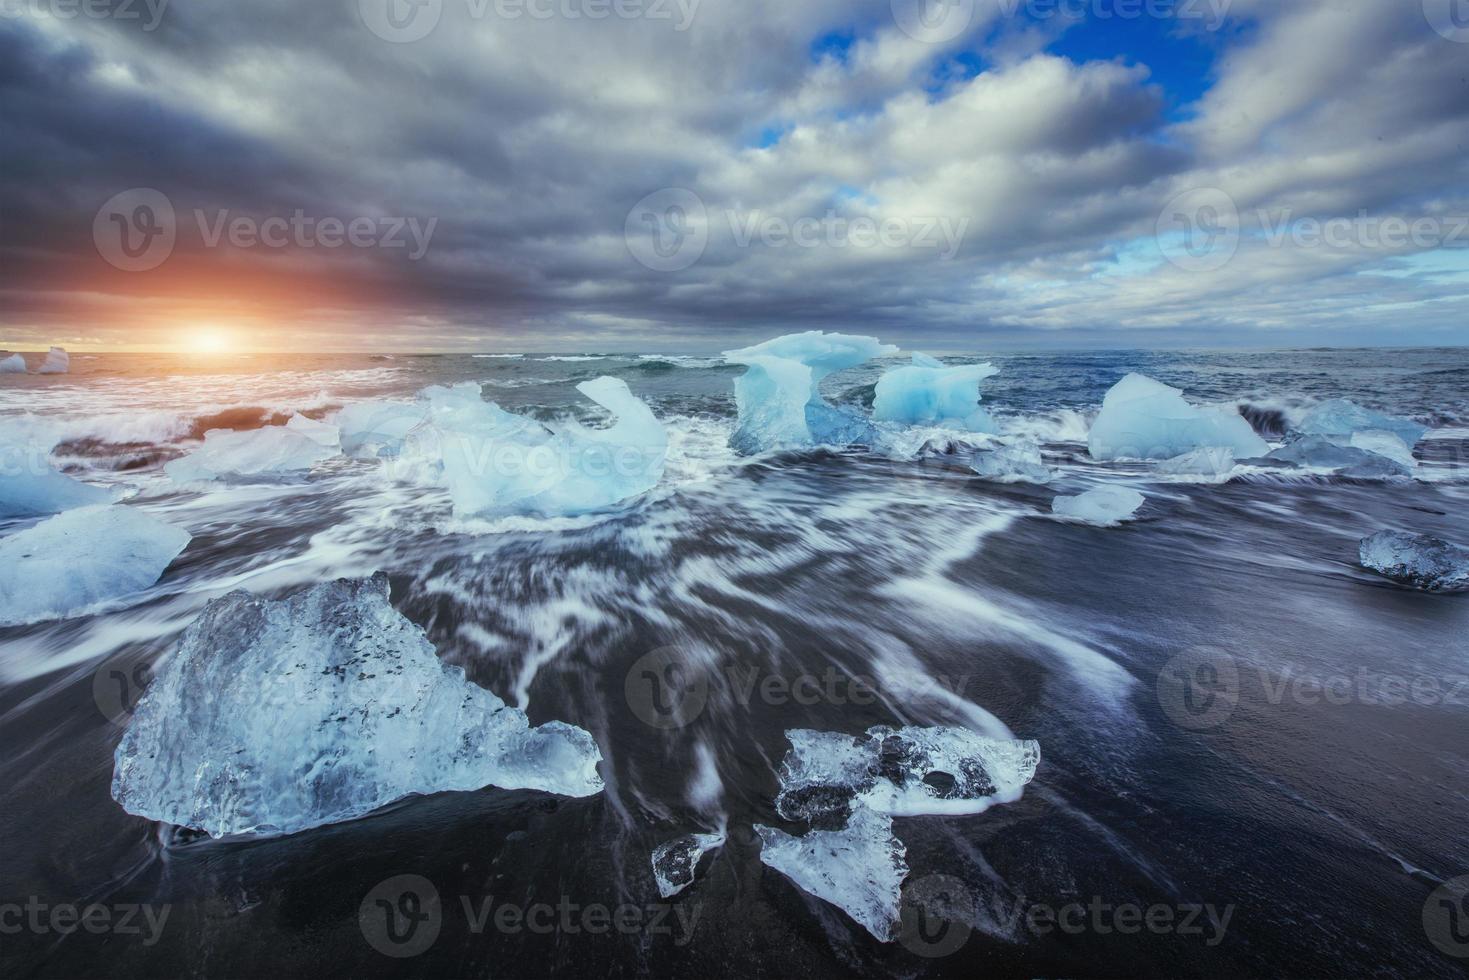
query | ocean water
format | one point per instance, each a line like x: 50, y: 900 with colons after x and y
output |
x: 1300, y: 824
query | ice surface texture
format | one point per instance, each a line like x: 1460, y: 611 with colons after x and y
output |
x: 1104, y: 505
x: 1021, y: 463
x: 1144, y: 419
x: 12, y: 364
x: 1201, y: 462
x: 1424, y: 562
x: 1339, y: 419
x: 272, y: 450
x: 674, y: 863
x: 849, y: 789
x: 928, y: 393
x: 32, y: 494
x: 57, y: 362
x: 80, y: 558
x: 780, y: 404
x: 274, y: 717
x: 1321, y: 452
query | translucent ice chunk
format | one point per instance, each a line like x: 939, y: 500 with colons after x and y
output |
x: 292, y: 448
x: 12, y: 364
x: 859, y: 868
x: 374, y: 429
x: 1211, y: 462
x: 1021, y: 463
x: 81, y: 558
x: 1383, y: 443
x: 274, y: 717
x: 780, y: 405
x: 31, y: 489
x: 1340, y: 418
x: 903, y: 772
x: 928, y: 393
x: 675, y: 862
x: 1104, y: 505
x: 1424, y: 562
x: 1144, y: 419
x: 1321, y: 452
x: 57, y: 362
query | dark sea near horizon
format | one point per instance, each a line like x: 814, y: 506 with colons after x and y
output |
x: 1299, y: 825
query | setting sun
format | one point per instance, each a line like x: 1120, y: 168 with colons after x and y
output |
x: 207, y: 340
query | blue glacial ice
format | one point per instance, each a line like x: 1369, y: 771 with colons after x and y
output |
x: 371, y: 430
x: 1214, y: 463
x: 12, y: 364
x: 780, y: 404
x: 57, y: 362
x: 928, y: 393
x: 272, y: 450
x: 1019, y: 463
x: 1339, y: 419
x: 1104, y: 506
x: 1325, y: 453
x: 675, y: 862
x: 1145, y: 419
x: 31, y: 488
x: 274, y: 717
x: 81, y: 558
x: 1423, y: 562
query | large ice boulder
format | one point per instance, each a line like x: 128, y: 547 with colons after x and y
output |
x: 274, y: 717
x: 1338, y: 419
x: 271, y: 450
x: 31, y: 488
x: 928, y: 393
x: 12, y: 364
x: 1424, y: 562
x: 1145, y: 419
x: 81, y: 558
x: 1325, y: 453
x: 57, y: 361
x: 779, y: 398
x: 1104, y: 506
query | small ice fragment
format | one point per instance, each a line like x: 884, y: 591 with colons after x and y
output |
x: 12, y: 364
x: 1214, y: 462
x: 273, y: 717
x: 675, y: 862
x: 1424, y: 562
x: 1021, y: 463
x: 859, y: 868
x: 57, y: 362
x: 1144, y: 419
x: 81, y: 558
x: 273, y: 449
x: 1104, y: 506
x: 43, y: 490
x: 928, y: 393
x: 1340, y: 418
x: 1320, y: 452
x: 779, y: 399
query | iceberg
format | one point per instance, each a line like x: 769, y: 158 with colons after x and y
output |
x: 1103, y: 506
x: 859, y: 868
x: 36, y: 494
x: 274, y: 449
x: 928, y: 393
x: 274, y: 717
x: 1321, y: 452
x: 779, y: 398
x: 12, y: 364
x: 1423, y: 562
x: 902, y: 772
x: 675, y: 862
x: 1339, y: 419
x: 57, y: 362
x: 1211, y: 462
x: 83, y: 557
x: 1145, y: 419
x: 1021, y: 463
x: 370, y: 430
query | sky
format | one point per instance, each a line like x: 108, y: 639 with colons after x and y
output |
x: 693, y: 175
